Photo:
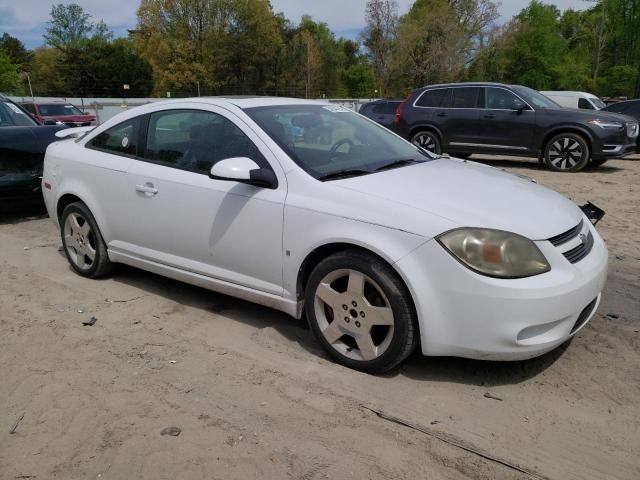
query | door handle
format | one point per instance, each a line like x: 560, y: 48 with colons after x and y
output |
x: 147, y: 188
x: 490, y: 115
x: 443, y: 114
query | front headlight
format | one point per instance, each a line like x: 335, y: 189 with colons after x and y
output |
x: 495, y: 253
x: 606, y: 123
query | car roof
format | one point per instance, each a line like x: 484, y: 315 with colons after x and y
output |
x: 468, y: 84
x: 255, y: 101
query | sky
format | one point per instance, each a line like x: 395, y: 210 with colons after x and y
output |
x: 26, y: 19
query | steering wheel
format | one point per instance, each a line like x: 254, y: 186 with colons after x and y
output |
x: 338, y: 144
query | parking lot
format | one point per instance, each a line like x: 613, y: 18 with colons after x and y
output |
x: 255, y: 397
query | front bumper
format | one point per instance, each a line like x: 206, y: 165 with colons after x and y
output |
x: 462, y: 313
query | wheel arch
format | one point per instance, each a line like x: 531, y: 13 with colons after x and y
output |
x: 324, y: 251
x: 70, y: 195
x: 426, y: 128
x: 584, y: 133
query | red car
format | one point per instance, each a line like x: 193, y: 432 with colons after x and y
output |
x: 57, y: 113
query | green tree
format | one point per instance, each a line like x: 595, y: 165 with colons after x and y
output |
x: 70, y: 24
x: 15, y: 50
x: 9, y: 78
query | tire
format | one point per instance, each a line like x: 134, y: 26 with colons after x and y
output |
x: 566, y: 152
x: 82, y: 242
x: 599, y: 162
x: 361, y: 312
x: 428, y: 140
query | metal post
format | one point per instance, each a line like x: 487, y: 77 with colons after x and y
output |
x: 30, y: 89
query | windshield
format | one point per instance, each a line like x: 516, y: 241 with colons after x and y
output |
x: 12, y: 115
x: 598, y: 103
x: 327, y: 140
x: 535, y: 98
x: 58, y: 110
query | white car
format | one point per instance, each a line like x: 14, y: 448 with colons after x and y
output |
x: 581, y: 100
x: 308, y: 207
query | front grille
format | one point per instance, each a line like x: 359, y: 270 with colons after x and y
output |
x: 632, y: 130
x: 584, y: 315
x: 578, y: 253
x: 566, y: 236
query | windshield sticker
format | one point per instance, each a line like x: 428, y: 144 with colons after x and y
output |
x: 14, y: 108
x: 336, y: 108
x: 125, y: 142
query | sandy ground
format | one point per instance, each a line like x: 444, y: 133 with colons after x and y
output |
x: 256, y: 398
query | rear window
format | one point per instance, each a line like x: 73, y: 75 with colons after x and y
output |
x: 432, y: 98
x: 387, y: 108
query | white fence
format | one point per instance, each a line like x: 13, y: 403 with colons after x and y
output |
x: 105, y: 108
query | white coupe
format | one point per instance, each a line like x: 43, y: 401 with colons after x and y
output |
x: 307, y: 207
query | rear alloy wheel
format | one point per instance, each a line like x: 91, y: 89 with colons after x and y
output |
x: 428, y: 141
x: 361, y: 312
x: 566, y: 152
x: 82, y: 242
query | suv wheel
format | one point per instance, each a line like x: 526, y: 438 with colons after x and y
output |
x: 428, y: 141
x: 361, y: 312
x: 566, y: 152
x: 83, y: 244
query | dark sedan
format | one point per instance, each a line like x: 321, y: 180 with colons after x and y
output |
x: 23, y: 143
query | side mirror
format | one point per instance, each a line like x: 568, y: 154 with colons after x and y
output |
x: 519, y: 108
x: 243, y: 170
x: 50, y: 122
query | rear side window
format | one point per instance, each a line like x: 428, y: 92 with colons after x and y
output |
x: 121, y: 139
x: 466, y: 97
x: 585, y: 104
x: 432, y: 98
x: 195, y: 140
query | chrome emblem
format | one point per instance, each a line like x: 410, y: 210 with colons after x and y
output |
x: 583, y: 238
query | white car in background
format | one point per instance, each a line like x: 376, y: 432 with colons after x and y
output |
x: 308, y: 207
x: 581, y: 100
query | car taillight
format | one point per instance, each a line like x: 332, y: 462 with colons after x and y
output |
x: 399, y: 109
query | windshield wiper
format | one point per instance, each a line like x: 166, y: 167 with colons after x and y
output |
x: 397, y: 164
x: 344, y: 174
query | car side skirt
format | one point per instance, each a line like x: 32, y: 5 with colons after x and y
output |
x: 290, y: 307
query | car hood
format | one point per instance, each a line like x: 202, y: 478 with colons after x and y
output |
x: 70, y: 118
x: 468, y: 194
x: 576, y: 114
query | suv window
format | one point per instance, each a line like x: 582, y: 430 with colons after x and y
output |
x: 501, y: 99
x: 431, y: 98
x: 121, y: 139
x: 464, y: 97
x: 195, y: 140
x: 584, y: 103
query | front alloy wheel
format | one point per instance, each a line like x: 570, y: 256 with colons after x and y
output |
x: 428, y: 141
x: 567, y: 152
x: 361, y: 312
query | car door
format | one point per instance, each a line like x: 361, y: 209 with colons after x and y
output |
x: 457, y: 117
x: 225, y: 230
x: 507, y: 122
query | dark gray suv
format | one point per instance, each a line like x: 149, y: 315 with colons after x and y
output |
x: 492, y: 118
